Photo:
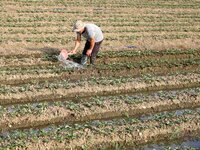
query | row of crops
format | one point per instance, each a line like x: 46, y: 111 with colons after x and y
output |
x: 96, y: 133
x: 144, y: 88
x: 96, y: 107
x: 139, y: 23
x: 104, y: 106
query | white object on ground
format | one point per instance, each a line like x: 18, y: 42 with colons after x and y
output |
x: 67, y: 64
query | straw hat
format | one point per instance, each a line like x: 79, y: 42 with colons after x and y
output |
x: 78, y: 26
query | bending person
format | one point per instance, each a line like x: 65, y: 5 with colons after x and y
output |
x: 94, y: 38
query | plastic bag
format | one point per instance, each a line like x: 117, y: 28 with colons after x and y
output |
x: 67, y: 64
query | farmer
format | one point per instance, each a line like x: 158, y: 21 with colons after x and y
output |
x: 94, y: 38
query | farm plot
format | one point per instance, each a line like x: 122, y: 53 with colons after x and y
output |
x: 145, y: 87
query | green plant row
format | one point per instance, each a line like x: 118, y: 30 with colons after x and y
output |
x: 133, y: 54
x: 145, y: 4
x: 154, y: 36
x: 51, y: 39
x: 63, y: 40
x: 151, y: 63
x: 19, y: 138
x: 34, y: 31
x: 180, y: 148
x: 171, y: 13
x: 112, y: 66
x: 122, y: 30
x: 117, y: 18
x: 48, y: 18
x: 148, y: 53
x: 67, y: 84
x: 154, y: 24
x: 100, y: 101
x: 54, y: 68
x: 105, y: 24
x: 153, y: 30
x: 26, y: 25
x: 110, y: 54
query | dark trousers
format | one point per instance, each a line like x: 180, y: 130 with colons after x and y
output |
x: 95, y: 50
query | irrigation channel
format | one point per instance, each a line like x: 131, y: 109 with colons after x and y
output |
x: 128, y: 99
x: 190, y: 144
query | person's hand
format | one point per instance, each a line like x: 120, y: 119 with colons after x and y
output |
x: 72, y: 52
x: 89, y: 52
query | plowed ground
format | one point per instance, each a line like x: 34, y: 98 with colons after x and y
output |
x: 144, y: 89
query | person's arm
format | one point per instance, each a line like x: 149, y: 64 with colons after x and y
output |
x: 92, y: 43
x: 77, y: 44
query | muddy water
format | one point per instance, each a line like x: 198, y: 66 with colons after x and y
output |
x: 176, y: 113
x: 184, y: 144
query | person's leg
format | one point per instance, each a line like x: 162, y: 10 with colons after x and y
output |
x: 84, y: 56
x: 95, y: 52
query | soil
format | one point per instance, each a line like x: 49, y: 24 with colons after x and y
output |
x: 152, y: 134
x: 58, y: 115
x: 34, y: 60
x: 31, y: 29
x: 157, y: 83
x: 94, y: 72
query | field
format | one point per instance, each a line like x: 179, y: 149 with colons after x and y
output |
x: 144, y: 88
